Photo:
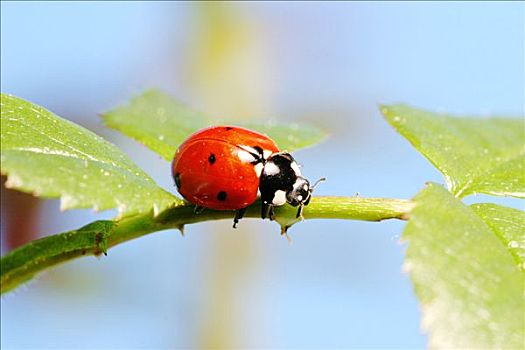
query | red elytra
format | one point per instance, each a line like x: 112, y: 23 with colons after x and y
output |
x: 215, y: 169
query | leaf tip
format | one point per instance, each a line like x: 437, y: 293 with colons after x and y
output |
x: 383, y: 108
x: 387, y: 109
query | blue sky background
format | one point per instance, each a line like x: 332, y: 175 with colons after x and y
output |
x: 340, y: 283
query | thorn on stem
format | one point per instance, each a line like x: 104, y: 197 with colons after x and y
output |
x: 288, y: 238
x: 181, y: 229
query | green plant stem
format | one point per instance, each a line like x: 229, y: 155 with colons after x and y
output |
x: 23, y: 263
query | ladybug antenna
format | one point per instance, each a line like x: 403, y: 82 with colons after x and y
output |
x: 317, y: 183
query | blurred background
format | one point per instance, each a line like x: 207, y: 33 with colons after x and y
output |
x: 340, y: 284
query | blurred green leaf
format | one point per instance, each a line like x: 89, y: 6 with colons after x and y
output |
x: 51, y: 157
x: 466, y: 278
x: 508, y: 224
x: 156, y: 120
x: 289, y: 137
x: 162, y: 123
x: 476, y: 155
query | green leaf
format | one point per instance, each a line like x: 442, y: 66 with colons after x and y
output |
x: 51, y: 157
x: 508, y: 224
x: 476, y: 155
x: 468, y: 283
x: 20, y: 265
x: 162, y: 123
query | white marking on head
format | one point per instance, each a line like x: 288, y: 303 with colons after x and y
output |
x: 305, y: 187
x: 249, y: 149
x: 267, y: 153
x: 295, y: 168
x: 271, y: 169
x: 258, y: 169
x: 299, y: 198
x: 246, y: 157
x: 258, y: 193
x: 279, y: 198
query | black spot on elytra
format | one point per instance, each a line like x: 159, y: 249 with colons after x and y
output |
x: 177, y: 180
x: 222, y: 196
x: 228, y: 128
x: 211, y: 158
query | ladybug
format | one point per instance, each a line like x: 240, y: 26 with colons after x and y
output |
x: 229, y: 167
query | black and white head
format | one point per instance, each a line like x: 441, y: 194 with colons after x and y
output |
x: 281, y: 182
x: 300, y: 193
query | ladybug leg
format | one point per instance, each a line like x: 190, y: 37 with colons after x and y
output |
x: 238, y: 216
x: 272, y: 214
x: 299, y: 211
x: 265, y: 210
x: 197, y: 210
